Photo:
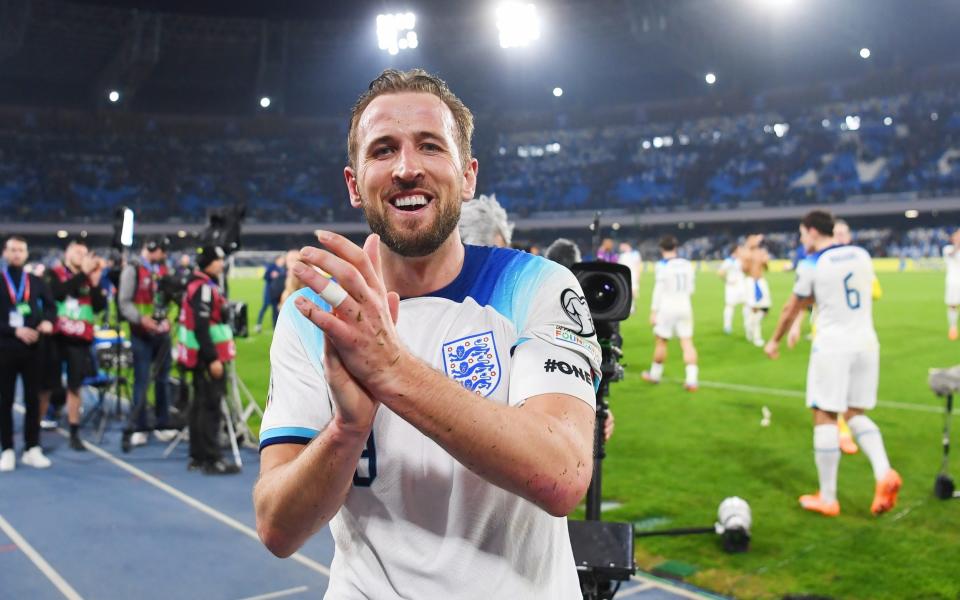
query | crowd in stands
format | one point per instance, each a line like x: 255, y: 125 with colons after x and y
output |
x: 80, y: 169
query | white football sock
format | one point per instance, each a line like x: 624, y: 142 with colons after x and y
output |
x: 692, y: 372
x: 952, y: 316
x: 728, y: 318
x: 746, y: 321
x: 758, y: 326
x: 826, y: 453
x: 656, y: 371
x: 870, y: 440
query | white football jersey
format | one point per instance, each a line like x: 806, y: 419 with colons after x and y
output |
x: 673, y: 287
x: 733, y: 273
x: 951, y: 256
x: 840, y: 279
x: 417, y: 523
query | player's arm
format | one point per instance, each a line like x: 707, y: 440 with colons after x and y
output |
x: 301, y: 487
x: 308, y: 454
x: 657, y: 297
x: 791, y: 311
x: 540, y: 450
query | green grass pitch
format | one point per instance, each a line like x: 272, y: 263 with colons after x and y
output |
x: 676, y: 455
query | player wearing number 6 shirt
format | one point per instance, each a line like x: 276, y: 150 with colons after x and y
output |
x: 444, y: 436
x: 844, y: 359
x: 671, y: 313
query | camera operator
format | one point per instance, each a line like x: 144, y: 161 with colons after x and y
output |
x: 205, y: 345
x: 30, y: 311
x: 76, y: 290
x: 143, y: 303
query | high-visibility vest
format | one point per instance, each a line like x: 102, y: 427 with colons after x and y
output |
x: 145, y: 295
x: 188, y: 348
x: 74, y: 314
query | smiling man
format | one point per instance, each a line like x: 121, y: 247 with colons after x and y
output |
x: 439, y: 416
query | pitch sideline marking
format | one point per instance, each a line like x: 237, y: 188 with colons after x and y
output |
x: 279, y: 594
x: 755, y: 389
x: 38, y: 560
x: 188, y: 500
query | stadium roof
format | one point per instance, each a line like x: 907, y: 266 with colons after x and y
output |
x: 313, y: 57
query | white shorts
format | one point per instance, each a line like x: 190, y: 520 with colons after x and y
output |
x: 734, y: 294
x: 952, y: 297
x: 670, y: 324
x: 757, y: 292
x: 837, y: 381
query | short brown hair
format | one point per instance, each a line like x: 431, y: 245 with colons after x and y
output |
x: 668, y: 243
x: 392, y: 81
x: 820, y: 220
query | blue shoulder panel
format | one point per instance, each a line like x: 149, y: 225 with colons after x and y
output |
x: 504, y: 279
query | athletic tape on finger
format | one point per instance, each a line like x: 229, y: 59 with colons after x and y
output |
x: 333, y: 294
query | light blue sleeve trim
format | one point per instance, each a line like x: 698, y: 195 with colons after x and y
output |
x: 274, y: 432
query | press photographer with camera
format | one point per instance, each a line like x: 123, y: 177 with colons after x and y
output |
x: 75, y: 285
x: 205, y: 345
x: 143, y: 303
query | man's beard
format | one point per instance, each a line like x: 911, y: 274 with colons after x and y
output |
x: 414, y: 244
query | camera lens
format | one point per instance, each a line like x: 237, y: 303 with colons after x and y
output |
x: 600, y: 292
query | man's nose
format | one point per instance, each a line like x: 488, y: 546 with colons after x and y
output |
x: 409, y: 166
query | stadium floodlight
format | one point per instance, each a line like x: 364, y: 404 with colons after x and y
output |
x: 265, y: 102
x: 911, y: 213
x: 864, y: 53
x: 781, y: 129
x: 395, y: 32
x: 852, y: 122
x: 113, y: 96
x: 62, y: 234
x: 181, y: 234
x: 518, y: 24
x: 888, y: 121
x: 558, y: 91
x: 710, y: 78
x: 615, y: 226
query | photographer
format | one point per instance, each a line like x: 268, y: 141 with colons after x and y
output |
x: 205, y: 345
x: 30, y: 311
x: 76, y: 290
x: 143, y: 304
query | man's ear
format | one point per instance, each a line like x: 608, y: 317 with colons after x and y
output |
x: 350, y: 177
x: 470, y: 180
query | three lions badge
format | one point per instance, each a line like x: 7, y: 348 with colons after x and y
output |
x: 473, y: 362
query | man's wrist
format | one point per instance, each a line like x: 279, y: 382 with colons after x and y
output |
x: 392, y: 380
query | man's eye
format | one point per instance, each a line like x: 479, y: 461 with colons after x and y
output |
x: 382, y: 151
x: 430, y: 147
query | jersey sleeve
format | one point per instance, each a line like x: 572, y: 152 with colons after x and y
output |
x: 803, y: 288
x: 299, y: 405
x: 557, y: 350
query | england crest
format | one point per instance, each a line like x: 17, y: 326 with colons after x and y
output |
x: 473, y: 362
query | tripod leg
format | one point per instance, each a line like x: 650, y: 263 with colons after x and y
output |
x: 232, y: 433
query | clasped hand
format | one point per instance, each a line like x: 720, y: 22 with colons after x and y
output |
x: 361, y: 344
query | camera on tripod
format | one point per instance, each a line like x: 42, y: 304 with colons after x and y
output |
x: 603, y: 551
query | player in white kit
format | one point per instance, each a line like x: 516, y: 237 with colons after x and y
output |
x: 844, y: 367
x: 951, y: 256
x: 734, y: 290
x: 444, y: 436
x: 671, y: 313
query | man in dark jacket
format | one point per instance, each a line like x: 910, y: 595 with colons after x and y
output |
x: 30, y: 312
x: 205, y: 345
